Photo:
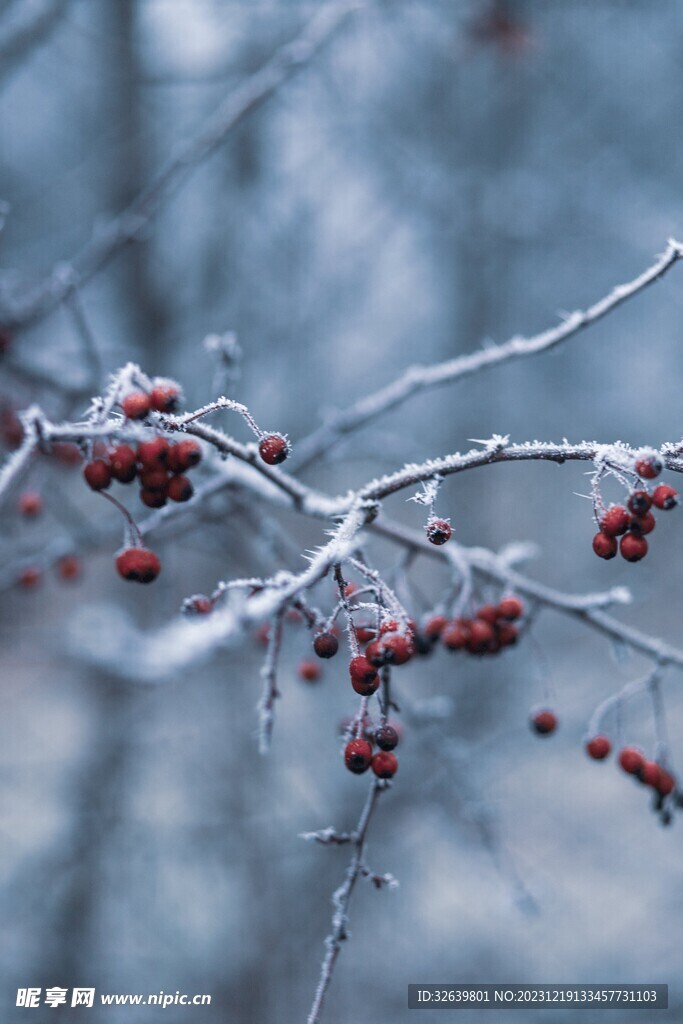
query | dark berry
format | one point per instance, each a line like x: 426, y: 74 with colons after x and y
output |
x: 615, y: 521
x: 438, y: 531
x: 273, y: 449
x: 386, y: 737
x: 357, y: 756
x: 97, y: 474
x: 325, y: 645
x: 398, y: 649
x: 639, y: 503
x: 633, y: 547
x: 153, y: 498
x: 180, y: 488
x: 364, y: 678
x: 642, y: 524
x: 123, y: 462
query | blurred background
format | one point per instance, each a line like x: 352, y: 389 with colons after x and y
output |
x: 438, y: 176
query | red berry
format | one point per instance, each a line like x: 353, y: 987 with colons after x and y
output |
x: 138, y: 564
x: 639, y: 502
x: 273, y: 449
x: 398, y: 649
x: 123, y: 464
x: 604, y: 546
x: 69, y: 567
x: 631, y: 760
x: 30, y: 577
x: 488, y: 613
x: 200, y: 604
x: 309, y: 670
x: 649, y: 467
x: 153, y: 454
x: 364, y: 678
x: 66, y: 453
x: 648, y: 773
x: 384, y: 764
x: 389, y: 626
x: 438, y: 531
x: 357, y: 756
x: 664, y: 497
x: 666, y: 783
x: 153, y: 498
x: 136, y: 405
x: 184, y: 456
x: 97, y: 474
x: 642, y: 524
x: 615, y: 521
x: 544, y: 722
x: 481, y: 636
x: 30, y: 504
x: 164, y: 398
x: 386, y: 737
x: 376, y: 653
x: 364, y: 634
x: 325, y: 645
x: 510, y: 608
x: 598, y: 748
x: 506, y: 634
x: 154, y: 479
x: 456, y: 635
x: 180, y: 488
x: 633, y: 547
x: 434, y: 627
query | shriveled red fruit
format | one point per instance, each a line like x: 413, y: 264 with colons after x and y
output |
x: 615, y: 521
x: 154, y: 479
x: 456, y: 635
x: 664, y: 497
x: 136, y: 405
x: 438, y: 531
x: 544, y: 722
x: 69, y: 567
x: 649, y: 467
x: 488, y: 613
x: 631, y: 760
x: 164, y: 398
x: 155, y: 498
x: 385, y: 765
x: 364, y: 678
x: 357, y: 756
x: 506, y: 634
x: 139, y: 565
x: 123, y: 462
x: 639, y: 502
x: 641, y: 525
x: 153, y: 454
x: 97, y: 474
x: 273, y: 449
x: 30, y: 504
x: 510, y: 608
x: 398, y: 649
x: 183, y: 456
x: 633, y: 547
x: 481, y: 635
x: 30, y: 577
x: 309, y: 671
x: 386, y: 737
x: 604, y: 546
x: 598, y: 747
x: 434, y: 627
x: 180, y: 488
x: 325, y: 645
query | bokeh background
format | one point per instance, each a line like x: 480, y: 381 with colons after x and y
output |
x: 440, y: 176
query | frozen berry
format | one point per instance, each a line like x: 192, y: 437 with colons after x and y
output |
x: 325, y: 645
x: 604, y: 546
x: 639, y: 502
x: 633, y: 547
x: 456, y: 635
x: 164, y: 398
x: 309, y: 670
x: 506, y: 634
x: 123, y: 462
x: 154, y: 479
x: 481, y: 635
x: 631, y: 760
x: 642, y: 524
x: 364, y: 678
x: 385, y: 765
x: 438, y: 531
x: 97, y: 474
x: 510, y: 608
x: 154, y: 453
x: 30, y: 577
x: 30, y: 504
x: 200, y: 604
x: 649, y: 467
x: 598, y: 748
x: 398, y: 649
x: 488, y: 613
x: 136, y: 405
x: 273, y: 449
x: 544, y: 722
x: 364, y: 634
x: 138, y: 564
x: 376, y: 653
x: 180, y: 488
x: 434, y: 627
x: 615, y: 521
x: 386, y: 737
x: 153, y: 498
x: 664, y: 497
x: 357, y: 756
x: 66, y: 453
x: 184, y: 456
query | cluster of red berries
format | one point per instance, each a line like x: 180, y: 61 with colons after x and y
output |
x: 359, y: 754
x: 633, y: 522
x: 163, y: 397
x: 488, y: 631
x: 159, y: 465
x: 656, y: 777
x: 68, y: 568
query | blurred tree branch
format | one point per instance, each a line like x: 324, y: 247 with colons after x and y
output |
x: 21, y: 33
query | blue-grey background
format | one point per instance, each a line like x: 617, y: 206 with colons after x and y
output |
x: 425, y: 185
